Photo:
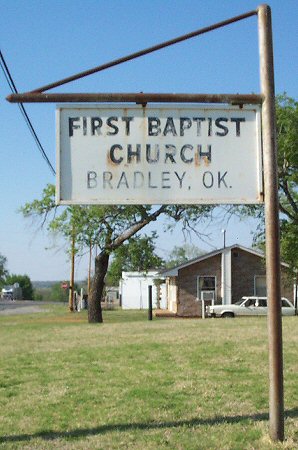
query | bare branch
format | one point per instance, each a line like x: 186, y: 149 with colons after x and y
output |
x: 136, y: 227
x: 285, y: 187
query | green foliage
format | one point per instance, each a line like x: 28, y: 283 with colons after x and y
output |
x: 3, y: 270
x: 287, y: 129
x: 24, y: 282
x: 138, y: 254
x: 107, y: 226
x: 41, y: 208
x: 289, y: 244
x: 183, y: 253
x: 57, y: 294
x: 39, y: 294
x: 287, y: 144
x: 53, y: 293
x: 287, y: 126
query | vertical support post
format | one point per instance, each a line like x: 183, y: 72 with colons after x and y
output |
x: 276, y: 401
x: 89, y: 268
x: 150, y: 302
x: 71, y: 284
x: 295, y: 291
x: 203, y: 309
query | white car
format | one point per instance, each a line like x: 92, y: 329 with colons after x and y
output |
x: 249, y: 306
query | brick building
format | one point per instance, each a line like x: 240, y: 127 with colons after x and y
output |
x: 222, y: 276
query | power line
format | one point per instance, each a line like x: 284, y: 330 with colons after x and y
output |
x: 14, y: 90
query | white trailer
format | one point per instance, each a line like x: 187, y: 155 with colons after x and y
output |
x: 134, y: 290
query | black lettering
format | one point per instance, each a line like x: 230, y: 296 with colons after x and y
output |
x: 170, y: 127
x: 137, y: 184
x: 185, y: 124
x: 205, y: 154
x: 149, y: 181
x: 164, y: 179
x: 149, y: 157
x: 96, y: 124
x: 237, y: 120
x: 112, y: 125
x: 209, y: 126
x: 170, y: 153
x: 208, y: 179
x: 199, y: 121
x: 112, y: 154
x: 72, y: 126
x: 180, y: 178
x: 131, y: 154
x: 91, y: 179
x: 182, y: 153
x: 106, y: 179
x: 221, y: 179
x: 122, y: 181
x: 221, y: 126
x: 127, y: 121
x: 84, y: 126
x: 153, y: 126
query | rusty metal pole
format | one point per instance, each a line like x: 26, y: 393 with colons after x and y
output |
x: 276, y: 400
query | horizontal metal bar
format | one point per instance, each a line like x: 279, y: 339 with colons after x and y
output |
x: 141, y: 98
x: 146, y: 51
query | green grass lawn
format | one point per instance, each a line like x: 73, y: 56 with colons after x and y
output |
x: 134, y: 384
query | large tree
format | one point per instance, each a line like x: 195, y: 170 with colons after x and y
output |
x: 109, y: 227
x: 3, y: 270
x: 137, y: 254
x: 183, y: 253
x: 120, y: 223
x: 287, y: 146
x: 24, y: 282
x: 287, y: 132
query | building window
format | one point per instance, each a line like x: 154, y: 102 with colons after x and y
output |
x: 260, y: 286
x: 206, y: 287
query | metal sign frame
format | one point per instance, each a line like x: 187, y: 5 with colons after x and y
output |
x: 267, y: 100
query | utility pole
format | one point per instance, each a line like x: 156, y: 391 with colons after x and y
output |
x: 89, y: 267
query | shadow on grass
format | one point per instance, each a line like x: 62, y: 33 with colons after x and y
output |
x: 196, y: 422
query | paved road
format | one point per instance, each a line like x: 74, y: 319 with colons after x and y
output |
x: 8, y: 307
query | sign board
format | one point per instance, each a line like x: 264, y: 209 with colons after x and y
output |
x: 169, y: 154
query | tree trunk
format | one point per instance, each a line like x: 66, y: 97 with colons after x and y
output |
x: 102, y: 262
x: 94, y: 300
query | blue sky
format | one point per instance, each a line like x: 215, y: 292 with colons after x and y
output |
x: 44, y: 41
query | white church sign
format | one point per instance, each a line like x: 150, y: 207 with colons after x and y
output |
x: 115, y: 154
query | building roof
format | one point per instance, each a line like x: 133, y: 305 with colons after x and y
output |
x: 173, y: 272
x: 141, y: 274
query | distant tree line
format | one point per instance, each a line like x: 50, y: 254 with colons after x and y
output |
x: 7, y: 279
